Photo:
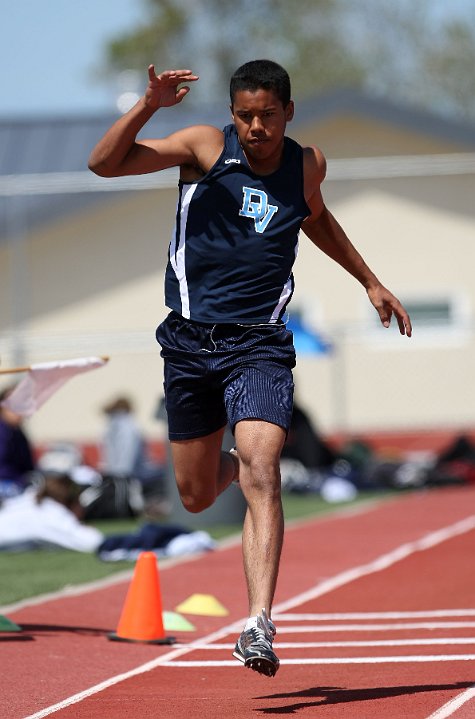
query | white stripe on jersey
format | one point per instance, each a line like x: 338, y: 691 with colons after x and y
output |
x: 284, y: 295
x: 177, y: 260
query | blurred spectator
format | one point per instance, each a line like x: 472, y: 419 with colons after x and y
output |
x: 16, y: 455
x: 456, y: 463
x: 305, y: 456
x: 123, y: 447
x: 124, y: 459
x: 304, y: 444
x: 47, y: 514
x: 100, y: 497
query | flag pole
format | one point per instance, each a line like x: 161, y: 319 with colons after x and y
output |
x: 27, y: 368
x: 15, y: 369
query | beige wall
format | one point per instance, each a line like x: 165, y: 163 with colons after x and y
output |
x: 95, y: 288
x: 380, y: 379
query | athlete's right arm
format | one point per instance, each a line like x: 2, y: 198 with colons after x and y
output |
x: 120, y: 153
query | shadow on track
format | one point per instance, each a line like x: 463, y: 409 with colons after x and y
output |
x: 49, y: 629
x: 339, y: 695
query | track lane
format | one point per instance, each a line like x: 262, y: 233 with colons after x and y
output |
x: 336, y: 543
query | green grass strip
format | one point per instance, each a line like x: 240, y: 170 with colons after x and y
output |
x: 28, y: 574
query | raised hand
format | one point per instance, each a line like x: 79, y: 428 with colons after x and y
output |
x: 163, y: 91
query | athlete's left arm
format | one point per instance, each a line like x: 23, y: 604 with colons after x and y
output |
x: 326, y: 233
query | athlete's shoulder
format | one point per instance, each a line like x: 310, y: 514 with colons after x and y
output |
x: 208, y: 130
x: 206, y: 142
x: 315, y: 164
x: 202, y: 134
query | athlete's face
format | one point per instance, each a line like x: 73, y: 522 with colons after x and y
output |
x: 260, y: 120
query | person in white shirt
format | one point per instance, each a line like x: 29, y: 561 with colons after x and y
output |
x: 47, y: 514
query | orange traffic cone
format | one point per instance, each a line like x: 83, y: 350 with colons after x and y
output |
x: 141, y: 619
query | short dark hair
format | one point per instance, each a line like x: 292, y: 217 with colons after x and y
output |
x: 261, y: 75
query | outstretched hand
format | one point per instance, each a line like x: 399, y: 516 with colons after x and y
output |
x: 387, y: 305
x: 162, y: 90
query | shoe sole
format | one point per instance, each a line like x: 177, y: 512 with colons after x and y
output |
x: 262, y: 666
x: 258, y: 664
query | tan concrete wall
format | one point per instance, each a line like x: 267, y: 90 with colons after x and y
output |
x: 96, y: 288
x: 382, y: 379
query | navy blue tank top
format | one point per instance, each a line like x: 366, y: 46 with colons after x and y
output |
x: 236, y: 239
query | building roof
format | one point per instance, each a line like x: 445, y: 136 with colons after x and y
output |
x: 63, y: 144
x: 353, y: 102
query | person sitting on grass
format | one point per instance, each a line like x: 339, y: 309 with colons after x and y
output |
x: 47, y: 514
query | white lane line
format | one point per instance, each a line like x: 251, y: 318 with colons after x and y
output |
x: 322, y: 617
x: 451, y: 707
x: 75, y: 698
x: 337, y: 660
x: 309, y: 629
x: 142, y: 669
x: 375, y: 643
x: 382, y: 562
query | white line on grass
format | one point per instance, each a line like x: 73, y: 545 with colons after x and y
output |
x: 169, y: 562
x: 383, y: 562
x: 113, y: 579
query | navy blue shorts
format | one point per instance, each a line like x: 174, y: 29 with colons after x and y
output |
x: 225, y: 373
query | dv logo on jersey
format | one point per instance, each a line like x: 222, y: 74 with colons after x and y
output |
x: 255, y: 204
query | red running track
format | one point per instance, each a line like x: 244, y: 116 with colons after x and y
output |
x: 375, y: 612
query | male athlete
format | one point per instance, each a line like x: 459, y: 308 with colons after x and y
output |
x: 244, y: 194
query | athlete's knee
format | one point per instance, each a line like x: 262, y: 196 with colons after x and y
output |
x: 262, y: 474
x: 194, y: 505
x: 196, y: 498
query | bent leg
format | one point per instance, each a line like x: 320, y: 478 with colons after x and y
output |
x: 259, y: 445
x: 202, y: 470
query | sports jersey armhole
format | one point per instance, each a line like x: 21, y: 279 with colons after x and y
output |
x: 187, y: 183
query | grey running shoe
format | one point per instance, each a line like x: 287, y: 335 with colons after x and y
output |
x: 254, y: 647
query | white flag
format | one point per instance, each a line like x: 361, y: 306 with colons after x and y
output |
x: 43, y: 380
